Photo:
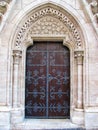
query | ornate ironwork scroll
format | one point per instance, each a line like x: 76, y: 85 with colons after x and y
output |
x: 47, y: 93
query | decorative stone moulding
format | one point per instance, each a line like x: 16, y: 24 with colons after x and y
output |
x: 3, y: 3
x: 4, y: 10
x: 46, y: 18
x: 96, y: 15
x: 92, y: 10
x: 1, y: 14
x: 94, y: 3
x: 94, y: 7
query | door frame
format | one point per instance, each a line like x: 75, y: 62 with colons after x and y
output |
x: 61, y: 38
x: 19, y: 113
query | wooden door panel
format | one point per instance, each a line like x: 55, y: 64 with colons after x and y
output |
x: 35, y: 103
x: 47, y: 93
x: 59, y: 98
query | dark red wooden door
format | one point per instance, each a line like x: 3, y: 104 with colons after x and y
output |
x: 47, y: 92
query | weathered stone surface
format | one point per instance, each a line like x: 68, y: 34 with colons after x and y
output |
x: 74, y: 23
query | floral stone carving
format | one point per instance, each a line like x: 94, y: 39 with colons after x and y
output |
x: 37, y: 24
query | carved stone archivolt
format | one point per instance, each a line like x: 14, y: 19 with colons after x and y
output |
x: 45, y: 22
x: 49, y: 21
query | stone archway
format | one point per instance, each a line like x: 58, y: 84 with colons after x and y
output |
x: 49, y: 23
x: 36, y: 17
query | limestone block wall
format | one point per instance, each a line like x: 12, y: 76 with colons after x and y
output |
x: 78, y: 10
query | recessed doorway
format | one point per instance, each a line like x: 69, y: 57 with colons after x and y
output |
x: 47, y: 82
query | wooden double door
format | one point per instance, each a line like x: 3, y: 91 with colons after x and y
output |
x: 47, y: 83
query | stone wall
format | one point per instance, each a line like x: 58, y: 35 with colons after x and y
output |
x: 83, y: 38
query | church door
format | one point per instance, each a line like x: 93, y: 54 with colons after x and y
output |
x: 47, y: 81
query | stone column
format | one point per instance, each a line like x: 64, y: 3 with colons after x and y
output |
x: 79, y: 60
x: 16, y: 60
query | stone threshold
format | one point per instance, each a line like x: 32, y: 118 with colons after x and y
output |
x: 47, y: 124
x: 54, y: 129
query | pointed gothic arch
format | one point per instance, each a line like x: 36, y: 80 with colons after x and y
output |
x: 61, y: 16
x: 49, y: 22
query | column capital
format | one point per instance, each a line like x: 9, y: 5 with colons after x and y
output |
x: 17, y: 54
x: 79, y: 53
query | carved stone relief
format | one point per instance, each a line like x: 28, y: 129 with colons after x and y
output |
x: 43, y: 20
x: 48, y: 25
x: 93, y: 12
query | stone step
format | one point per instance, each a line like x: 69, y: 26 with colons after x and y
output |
x: 57, y: 129
x: 63, y: 129
x: 50, y: 124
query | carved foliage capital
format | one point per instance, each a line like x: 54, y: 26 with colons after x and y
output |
x: 79, y: 54
x: 16, y: 56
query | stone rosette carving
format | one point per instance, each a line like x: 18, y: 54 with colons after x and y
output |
x: 38, y: 23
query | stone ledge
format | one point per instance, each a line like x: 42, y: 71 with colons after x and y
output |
x: 91, y: 109
x: 4, y: 109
